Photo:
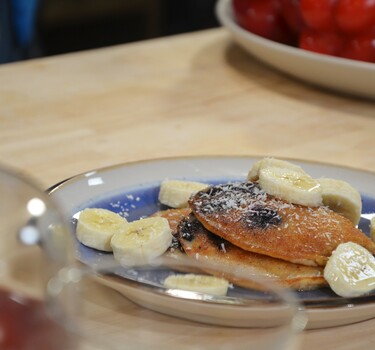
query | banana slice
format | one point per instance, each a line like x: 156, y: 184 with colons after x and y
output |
x: 271, y: 163
x: 290, y: 185
x: 350, y: 270
x: 142, y: 241
x: 198, y: 283
x: 176, y: 194
x: 96, y: 227
x: 342, y: 198
x: 372, y: 228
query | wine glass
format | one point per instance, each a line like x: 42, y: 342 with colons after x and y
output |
x: 56, y: 300
x: 29, y: 219
x: 129, y: 307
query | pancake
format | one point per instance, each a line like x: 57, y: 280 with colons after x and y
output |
x: 200, y: 244
x: 249, y: 218
x: 175, y: 251
x: 174, y: 216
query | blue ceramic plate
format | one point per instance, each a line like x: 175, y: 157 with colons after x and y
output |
x: 132, y: 191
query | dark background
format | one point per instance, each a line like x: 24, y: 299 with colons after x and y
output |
x: 63, y: 26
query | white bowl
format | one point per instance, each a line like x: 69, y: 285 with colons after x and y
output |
x: 340, y: 74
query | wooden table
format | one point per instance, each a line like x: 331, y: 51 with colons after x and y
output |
x: 192, y: 94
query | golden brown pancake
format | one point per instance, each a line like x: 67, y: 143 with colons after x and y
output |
x: 200, y: 244
x: 175, y: 251
x: 174, y: 216
x: 249, y: 218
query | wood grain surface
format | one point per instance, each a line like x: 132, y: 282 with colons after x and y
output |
x: 193, y: 94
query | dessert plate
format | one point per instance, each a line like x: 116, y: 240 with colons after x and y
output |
x: 132, y: 190
x: 334, y: 73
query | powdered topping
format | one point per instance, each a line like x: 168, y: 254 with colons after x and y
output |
x: 262, y: 217
x: 257, y: 209
x: 248, y: 198
x: 126, y: 206
x: 175, y: 244
x: 187, y: 228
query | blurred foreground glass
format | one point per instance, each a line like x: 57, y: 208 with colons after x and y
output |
x: 50, y: 300
x: 33, y: 247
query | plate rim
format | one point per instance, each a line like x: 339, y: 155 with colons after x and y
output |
x: 50, y: 190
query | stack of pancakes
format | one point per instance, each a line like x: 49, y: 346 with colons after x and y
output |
x: 249, y: 232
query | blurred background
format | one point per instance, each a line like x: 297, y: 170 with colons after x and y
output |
x: 37, y: 28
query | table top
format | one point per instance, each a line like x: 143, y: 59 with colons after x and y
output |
x: 192, y: 94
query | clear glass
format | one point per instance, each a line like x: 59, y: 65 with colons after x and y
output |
x: 33, y: 247
x: 138, y: 312
x: 59, y: 302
